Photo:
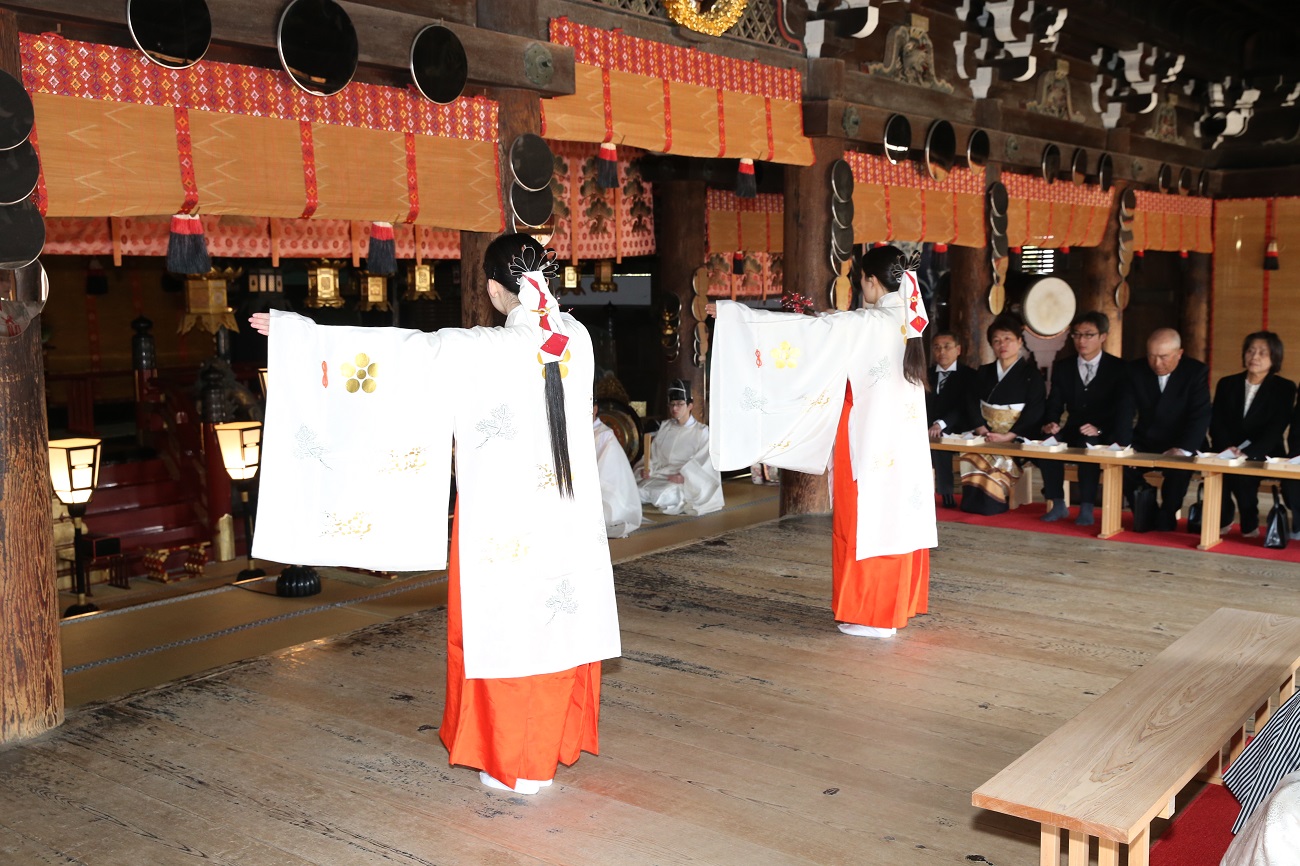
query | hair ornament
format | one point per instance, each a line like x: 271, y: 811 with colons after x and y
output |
x: 530, y: 261
x: 903, y: 264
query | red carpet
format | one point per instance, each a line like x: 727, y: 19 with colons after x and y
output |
x: 1027, y: 517
x: 1201, y: 833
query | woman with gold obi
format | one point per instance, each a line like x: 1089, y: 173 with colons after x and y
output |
x: 1010, y: 398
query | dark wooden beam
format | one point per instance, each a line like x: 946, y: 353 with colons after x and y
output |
x: 384, y: 36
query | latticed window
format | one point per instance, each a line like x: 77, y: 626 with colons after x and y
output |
x: 758, y: 24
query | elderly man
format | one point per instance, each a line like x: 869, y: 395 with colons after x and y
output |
x: 1088, y: 405
x: 1171, y: 395
x: 947, y: 405
x: 677, y: 475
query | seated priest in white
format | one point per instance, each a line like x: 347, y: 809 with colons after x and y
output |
x: 618, y: 491
x: 677, y: 475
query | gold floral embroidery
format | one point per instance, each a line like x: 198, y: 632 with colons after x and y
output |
x: 504, y: 550
x: 412, y: 460
x: 564, y: 365
x: 361, y: 373
x: 821, y: 399
x: 355, y: 525
x: 786, y: 355
x: 779, y: 446
x: 546, y: 477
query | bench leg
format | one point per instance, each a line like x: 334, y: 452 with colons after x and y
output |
x: 1049, y: 845
x: 1139, y: 850
x: 1213, y: 500
x: 1107, y: 852
x: 1078, y: 848
x: 1112, y: 499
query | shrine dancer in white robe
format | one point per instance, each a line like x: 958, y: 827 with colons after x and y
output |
x: 677, y: 475
x: 618, y: 492
x: 792, y: 390
x: 355, y: 471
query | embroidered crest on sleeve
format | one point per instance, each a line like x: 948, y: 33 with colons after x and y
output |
x: 562, y: 601
x: 750, y: 401
x: 355, y: 525
x: 361, y: 373
x: 500, y: 424
x: 786, y: 356
x: 878, y: 372
x: 308, y: 447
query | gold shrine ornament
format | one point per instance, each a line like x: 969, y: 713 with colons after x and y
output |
x: 718, y: 20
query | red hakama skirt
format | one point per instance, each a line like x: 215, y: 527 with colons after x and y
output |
x: 517, y: 727
x: 879, y: 591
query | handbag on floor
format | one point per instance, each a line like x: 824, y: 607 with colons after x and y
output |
x: 1195, y: 509
x: 1145, y: 508
x: 1279, y: 530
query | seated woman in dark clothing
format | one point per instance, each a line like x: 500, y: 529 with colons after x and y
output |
x: 1010, y: 398
x: 1251, y: 411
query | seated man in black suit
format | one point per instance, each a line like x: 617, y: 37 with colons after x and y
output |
x: 947, y: 405
x: 1091, y: 391
x: 1171, y: 395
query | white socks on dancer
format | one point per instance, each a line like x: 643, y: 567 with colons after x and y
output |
x: 522, y: 786
x: 866, y: 630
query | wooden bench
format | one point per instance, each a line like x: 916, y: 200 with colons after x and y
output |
x: 1112, y: 769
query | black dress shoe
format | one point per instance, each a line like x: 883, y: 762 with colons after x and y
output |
x: 949, y: 501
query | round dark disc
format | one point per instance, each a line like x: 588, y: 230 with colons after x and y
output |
x: 997, y: 198
x: 977, y: 149
x: 317, y: 45
x: 1203, y: 183
x: 22, y: 235
x: 439, y: 66
x: 898, y: 138
x: 841, y: 180
x: 172, y: 33
x: 1165, y: 178
x: 531, y: 207
x: 1128, y: 202
x: 16, y: 113
x: 1079, y: 166
x: 1051, y: 163
x: 532, y: 162
x: 1185, y: 185
x: 20, y: 169
x: 998, y: 246
x: 842, y: 239
x: 1105, y: 172
x: 998, y: 223
x: 940, y: 149
x: 842, y: 212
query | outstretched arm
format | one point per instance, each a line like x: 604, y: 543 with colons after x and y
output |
x: 261, y: 323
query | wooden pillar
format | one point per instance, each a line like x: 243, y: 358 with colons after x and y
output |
x: 807, y: 228
x: 971, y: 275
x: 31, y: 659
x: 518, y: 111
x: 1101, y: 276
x: 680, y: 238
x: 1195, y: 325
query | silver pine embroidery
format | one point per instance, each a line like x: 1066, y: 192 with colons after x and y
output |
x: 308, y: 447
x: 562, y: 601
x: 750, y: 401
x: 878, y: 372
x: 500, y: 424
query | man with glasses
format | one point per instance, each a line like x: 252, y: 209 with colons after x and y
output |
x: 676, y: 473
x: 953, y: 386
x: 1088, y: 404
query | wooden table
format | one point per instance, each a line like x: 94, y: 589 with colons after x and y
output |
x: 1118, y: 764
x: 1112, y: 478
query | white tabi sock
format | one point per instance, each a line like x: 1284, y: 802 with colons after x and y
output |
x: 866, y: 630
x: 522, y: 786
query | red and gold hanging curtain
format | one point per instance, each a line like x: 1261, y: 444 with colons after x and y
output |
x: 1173, y: 223
x: 746, y: 245
x: 895, y: 202
x: 1054, y: 215
x: 663, y: 98
x: 608, y: 223
x: 119, y: 136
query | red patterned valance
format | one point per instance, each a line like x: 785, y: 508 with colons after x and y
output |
x: 120, y: 136
x: 241, y: 238
x: 610, y: 223
x: 663, y: 98
x: 895, y: 201
x: 1054, y: 215
x: 1173, y: 223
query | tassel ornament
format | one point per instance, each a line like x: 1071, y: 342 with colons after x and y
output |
x: 381, y: 254
x: 187, y: 248
x: 607, y: 166
x: 746, y: 184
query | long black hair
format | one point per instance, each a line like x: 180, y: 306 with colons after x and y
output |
x: 885, y: 264
x: 496, y: 266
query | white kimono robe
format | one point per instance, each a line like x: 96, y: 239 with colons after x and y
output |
x: 355, y: 471
x: 778, y: 391
x: 618, y: 491
x: 682, y: 449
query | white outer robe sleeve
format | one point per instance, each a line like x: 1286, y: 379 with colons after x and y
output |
x: 618, y: 493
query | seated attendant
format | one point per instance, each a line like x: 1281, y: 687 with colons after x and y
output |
x: 677, y: 475
x: 947, y: 405
x: 1090, y: 393
x: 1251, y: 411
x: 618, y: 491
